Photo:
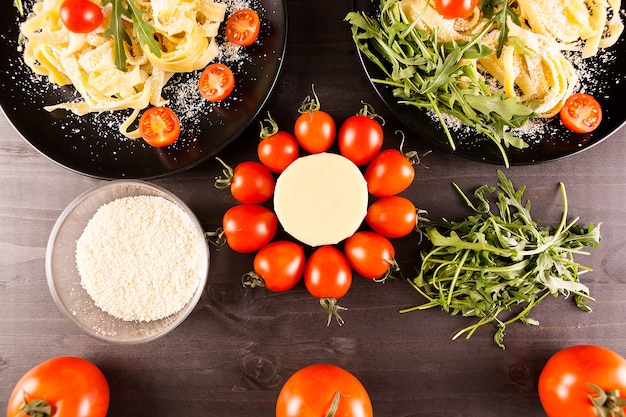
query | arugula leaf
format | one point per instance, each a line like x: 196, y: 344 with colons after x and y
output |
x: 496, y: 263
x: 440, y: 76
x: 141, y: 28
x: 20, y: 7
x: 500, y: 11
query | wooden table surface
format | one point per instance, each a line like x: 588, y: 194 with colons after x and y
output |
x: 232, y: 355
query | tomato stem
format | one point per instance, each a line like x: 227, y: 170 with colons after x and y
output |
x: 36, y: 408
x: 252, y: 280
x: 268, y: 131
x: 333, y: 308
x: 310, y: 105
x: 216, y: 238
x: 228, y: 172
x: 607, y: 403
x: 334, y: 406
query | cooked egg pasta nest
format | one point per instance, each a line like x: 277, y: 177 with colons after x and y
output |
x: 185, y: 29
x: 532, y: 65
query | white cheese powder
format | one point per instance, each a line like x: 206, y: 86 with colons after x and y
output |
x: 139, y: 258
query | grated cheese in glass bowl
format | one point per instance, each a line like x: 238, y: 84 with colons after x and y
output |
x: 127, y: 261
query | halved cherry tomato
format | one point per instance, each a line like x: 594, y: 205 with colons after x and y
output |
x: 216, y: 82
x: 250, y: 182
x: 371, y: 255
x: 323, y: 390
x: 242, y: 27
x: 389, y: 173
x: 159, y: 126
x: 80, y: 16
x: 452, y: 9
x: 392, y: 216
x: 69, y: 386
x: 278, y: 266
x: 278, y: 148
x: 573, y: 375
x: 249, y: 227
x: 314, y: 129
x: 581, y: 113
x: 328, y: 276
x: 360, y: 138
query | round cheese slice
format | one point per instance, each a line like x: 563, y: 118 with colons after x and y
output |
x: 321, y: 199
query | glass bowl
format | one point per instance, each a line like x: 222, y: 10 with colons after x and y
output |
x: 65, y: 282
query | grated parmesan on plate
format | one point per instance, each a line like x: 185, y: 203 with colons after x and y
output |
x: 139, y: 258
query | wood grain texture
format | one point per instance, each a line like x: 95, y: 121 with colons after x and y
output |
x: 232, y: 355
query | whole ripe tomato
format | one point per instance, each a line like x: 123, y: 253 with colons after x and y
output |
x: 277, y: 148
x: 242, y: 27
x: 323, y: 390
x: 389, y: 173
x: 452, y: 9
x: 581, y: 113
x: 250, y: 182
x: 249, y: 227
x: 360, y: 138
x: 70, y: 386
x: 393, y: 216
x: 564, y: 383
x: 278, y: 266
x: 159, y: 126
x: 371, y: 255
x: 328, y: 276
x: 314, y: 129
x: 216, y: 82
x: 80, y: 16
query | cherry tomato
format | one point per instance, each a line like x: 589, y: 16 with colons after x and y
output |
x: 389, y: 173
x: 393, y: 216
x: 360, y: 138
x: 278, y: 266
x: 250, y: 182
x: 72, y: 387
x: 159, y: 126
x: 242, y: 27
x: 249, y: 227
x: 452, y: 9
x: 371, y: 255
x: 323, y: 390
x: 80, y: 16
x: 581, y: 113
x: 216, y: 82
x: 315, y: 130
x: 328, y: 276
x: 278, y: 148
x: 564, y: 383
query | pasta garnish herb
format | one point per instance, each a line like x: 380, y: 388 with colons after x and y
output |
x: 143, y: 30
x: 500, y: 11
x: 440, y: 76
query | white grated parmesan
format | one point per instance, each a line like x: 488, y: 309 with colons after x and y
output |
x: 139, y: 258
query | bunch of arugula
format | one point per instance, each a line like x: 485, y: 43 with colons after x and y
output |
x: 441, y: 76
x: 491, y: 264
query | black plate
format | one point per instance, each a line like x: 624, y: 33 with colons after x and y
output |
x: 549, y: 143
x: 92, y: 145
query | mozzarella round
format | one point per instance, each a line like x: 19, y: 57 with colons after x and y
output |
x: 321, y: 199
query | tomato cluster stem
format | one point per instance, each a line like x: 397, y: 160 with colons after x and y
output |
x: 333, y: 308
x: 36, y: 408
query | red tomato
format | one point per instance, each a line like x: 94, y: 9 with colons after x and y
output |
x: 389, y: 173
x: 72, y: 387
x: 564, y: 381
x: 277, y: 149
x: 328, y: 276
x: 452, y: 9
x: 278, y: 266
x: 80, y: 16
x: 159, y: 126
x: 360, y: 139
x: 216, y: 82
x: 393, y: 216
x: 581, y: 113
x: 315, y: 130
x: 249, y: 227
x: 323, y: 390
x: 250, y: 182
x: 371, y: 255
x: 242, y: 27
